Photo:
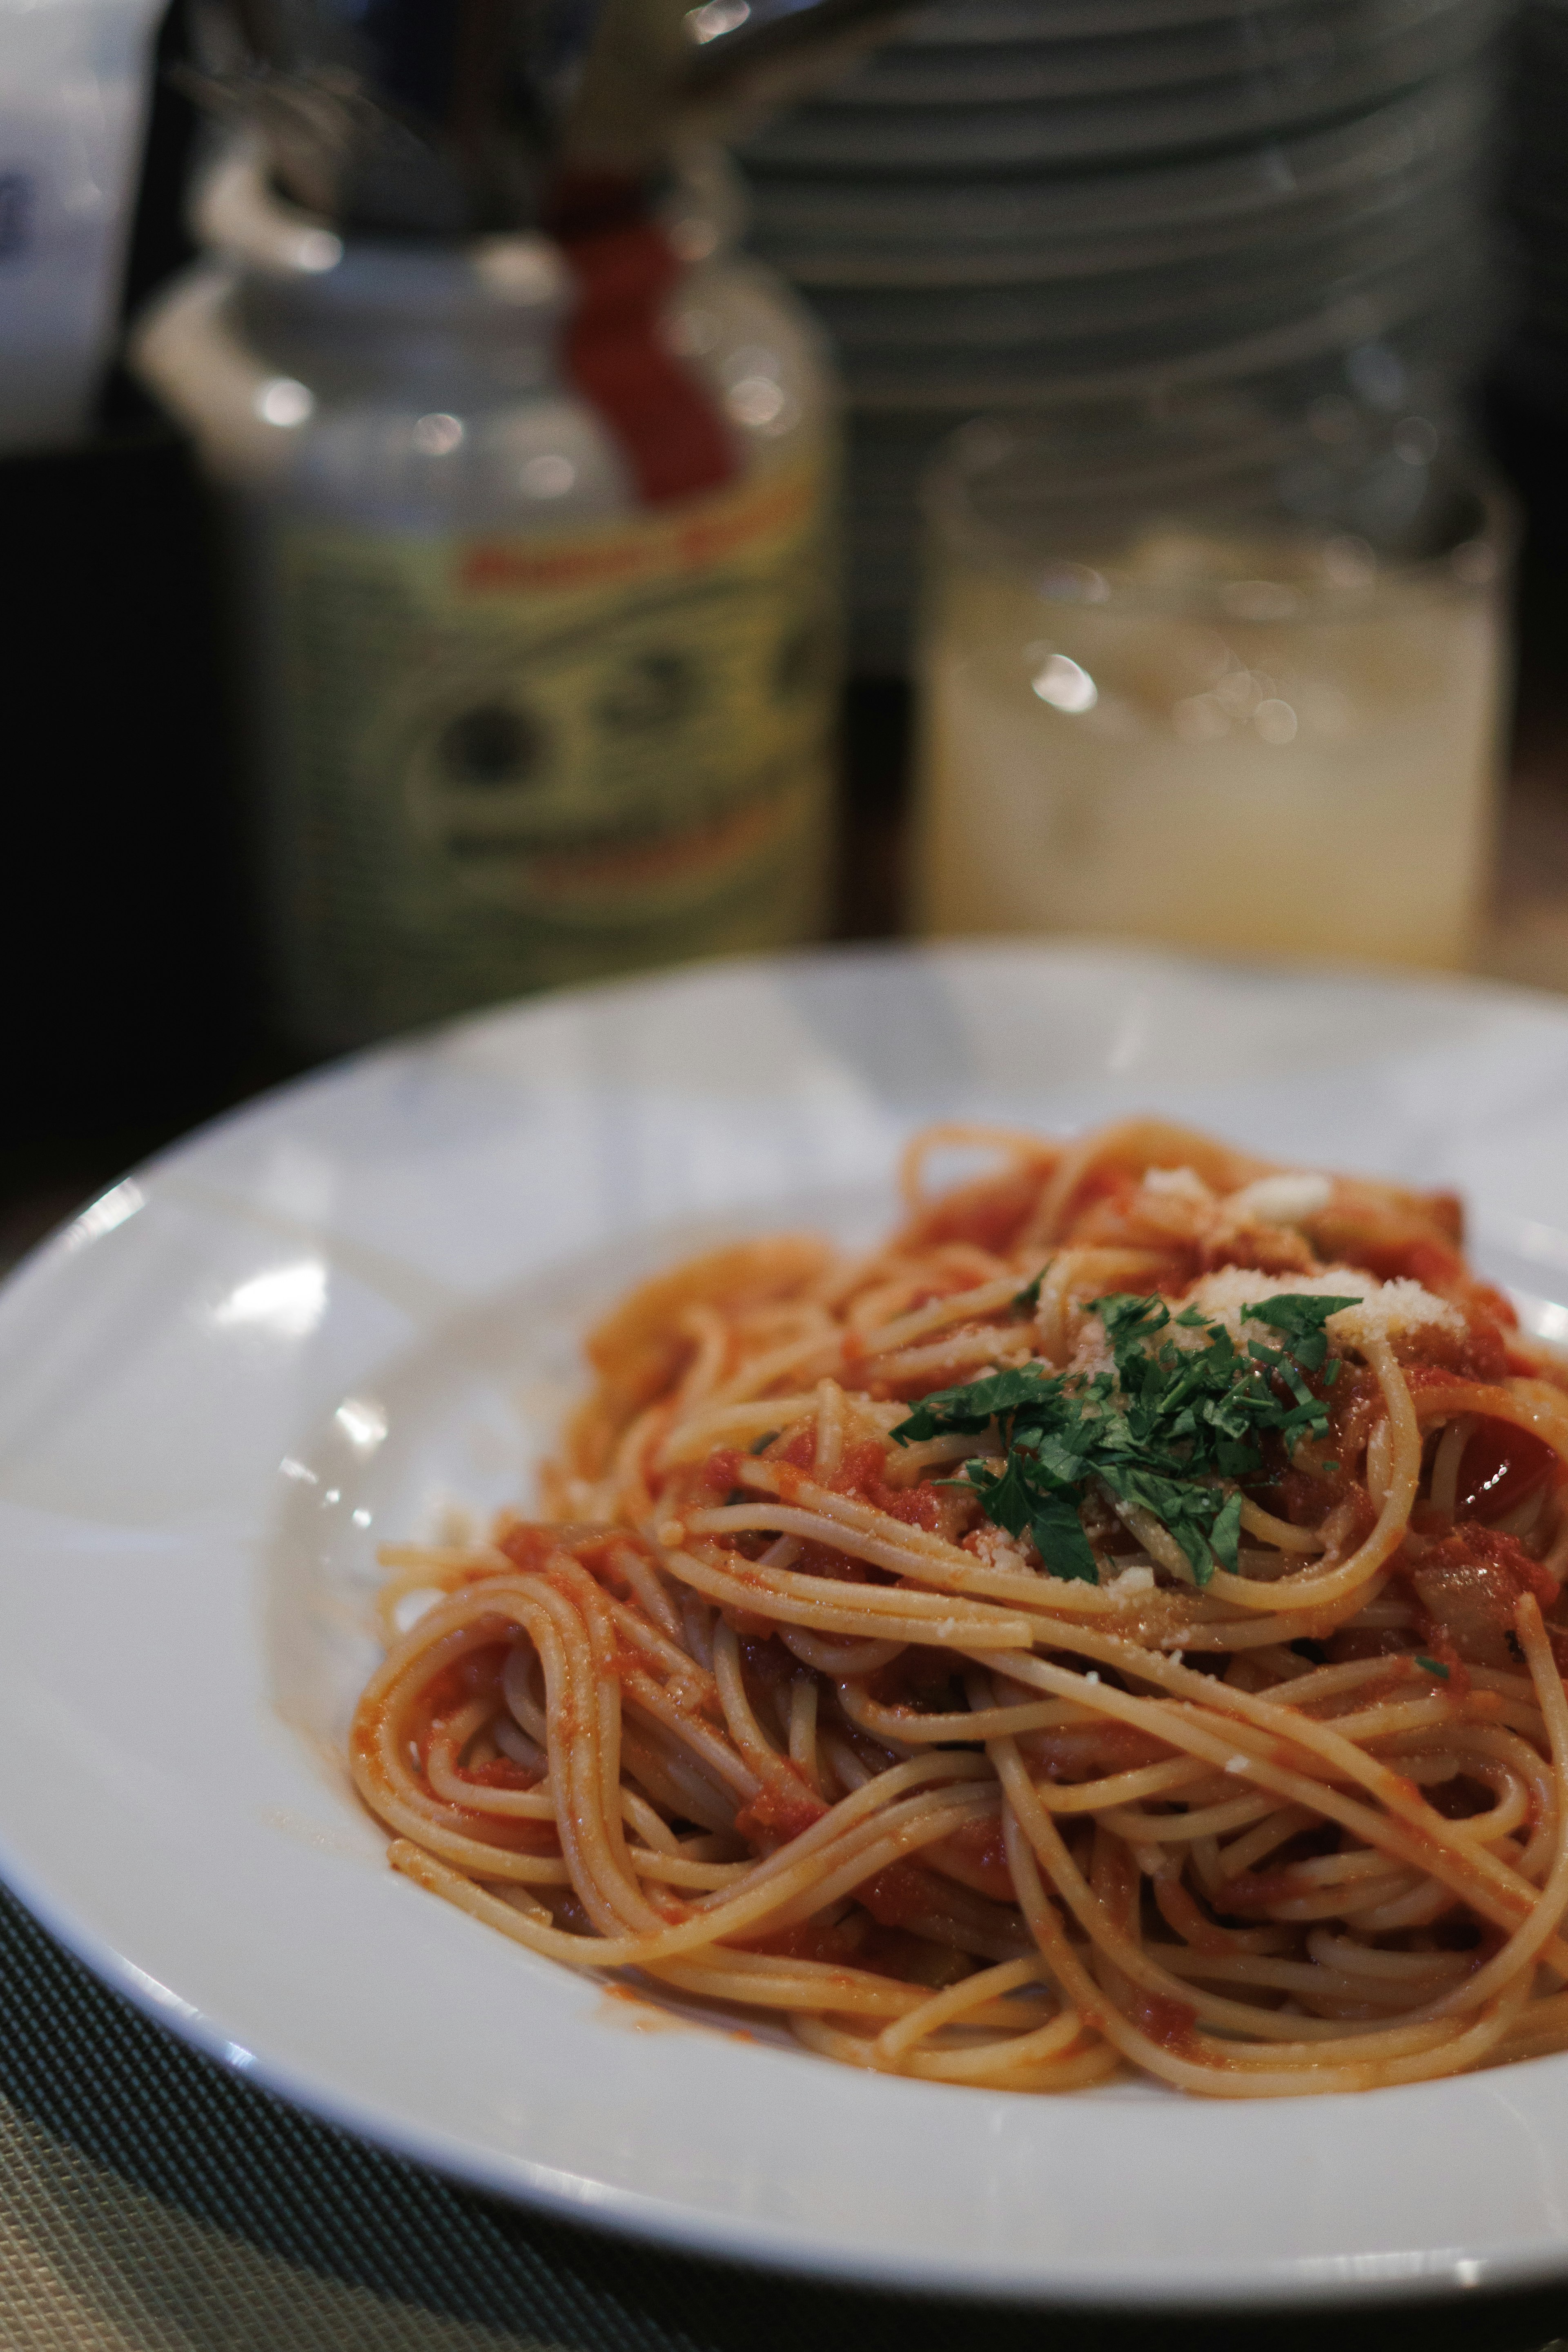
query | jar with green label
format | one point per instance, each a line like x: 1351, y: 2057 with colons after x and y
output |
x: 536, y: 590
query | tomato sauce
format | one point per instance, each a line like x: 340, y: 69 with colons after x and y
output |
x: 764, y: 1659
x: 901, y: 1895
x: 1500, y: 1465
x: 1503, y: 1569
x: 1170, y: 2023
x: 977, y: 1855
x: 1308, y: 1498
x: 626, y: 1661
x: 1260, y: 1890
x: 919, y: 1678
x: 500, y: 1772
x: 476, y: 1674
x: 1429, y: 1356
x: 781, y: 1810
x: 856, y: 1942
x: 934, y: 1507
x: 529, y: 1546
x: 1412, y: 1258
x: 720, y: 1476
x: 1179, y: 1910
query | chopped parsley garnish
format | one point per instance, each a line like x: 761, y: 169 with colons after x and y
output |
x: 1026, y: 1301
x: 1170, y: 1431
x: 1432, y: 1667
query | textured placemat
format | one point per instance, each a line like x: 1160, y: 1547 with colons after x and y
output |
x: 152, y: 2202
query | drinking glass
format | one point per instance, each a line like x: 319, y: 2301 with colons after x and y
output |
x: 1222, y: 682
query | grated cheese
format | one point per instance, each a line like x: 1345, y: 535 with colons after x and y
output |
x: 996, y: 1548
x: 1131, y: 1580
x: 1384, y: 1308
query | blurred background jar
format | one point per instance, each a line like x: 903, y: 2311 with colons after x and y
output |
x: 1234, y: 690
x: 531, y: 536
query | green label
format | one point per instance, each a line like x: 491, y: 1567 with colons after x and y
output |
x: 511, y: 762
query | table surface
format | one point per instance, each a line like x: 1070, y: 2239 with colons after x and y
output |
x: 151, y: 2202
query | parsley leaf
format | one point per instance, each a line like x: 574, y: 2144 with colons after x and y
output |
x: 1432, y: 1667
x: 967, y: 1410
x: 1028, y: 1299
x: 1012, y: 1500
x: 1226, y: 1534
x: 1060, y: 1540
x: 1301, y: 1319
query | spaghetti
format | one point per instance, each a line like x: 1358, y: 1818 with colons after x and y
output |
x: 1115, y: 1624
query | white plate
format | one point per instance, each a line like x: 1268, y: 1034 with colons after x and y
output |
x: 299, y: 1332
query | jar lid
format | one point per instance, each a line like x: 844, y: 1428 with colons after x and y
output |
x: 240, y: 214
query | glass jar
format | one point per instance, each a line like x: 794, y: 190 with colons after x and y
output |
x: 523, y: 706
x: 1224, y: 683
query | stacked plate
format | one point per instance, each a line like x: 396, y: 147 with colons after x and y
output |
x: 1538, y: 361
x: 1039, y: 203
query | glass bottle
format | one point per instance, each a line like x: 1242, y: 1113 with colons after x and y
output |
x: 536, y: 594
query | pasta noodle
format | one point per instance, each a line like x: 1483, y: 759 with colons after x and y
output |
x: 1114, y: 1624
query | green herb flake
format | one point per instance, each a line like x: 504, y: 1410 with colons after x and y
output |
x: 967, y: 1410
x: 1026, y: 1301
x: 1301, y: 1318
x: 1432, y: 1667
x: 1226, y: 1534
x: 761, y: 1445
